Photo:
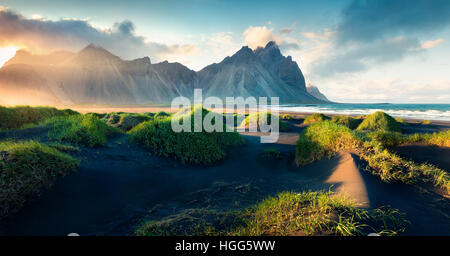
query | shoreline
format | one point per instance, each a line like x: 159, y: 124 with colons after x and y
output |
x: 168, y: 109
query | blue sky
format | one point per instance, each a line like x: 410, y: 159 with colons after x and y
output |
x: 354, y: 51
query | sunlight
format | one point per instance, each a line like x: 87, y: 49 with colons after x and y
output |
x: 6, y: 54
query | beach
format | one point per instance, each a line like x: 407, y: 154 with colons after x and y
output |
x: 119, y: 184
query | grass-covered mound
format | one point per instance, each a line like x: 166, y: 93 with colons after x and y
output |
x: 441, y: 139
x: 426, y: 122
x: 252, y: 120
x: 188, y: 147
x: 388, y: 139
x: 26, y: 168
x: 317, y: 213
x: 348, y: 121
x: 84, y: 130
x: 321, y: 139
x: 125, y: 121
x: 317, y: 117
x: 161, y: 114
x: 286, y: 117
x: 379, y: 121
x: 19, y: 116
x: 326, y: 138
x: 391, y: 139
x: 288, y: 213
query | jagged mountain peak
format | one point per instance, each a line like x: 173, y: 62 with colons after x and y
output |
x: 244, y: 55
x: 269, y: 53
x: 95, y: 52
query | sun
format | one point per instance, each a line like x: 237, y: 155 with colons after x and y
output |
x: 7, y: 53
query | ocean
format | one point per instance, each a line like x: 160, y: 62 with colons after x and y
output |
x: 413, y: 111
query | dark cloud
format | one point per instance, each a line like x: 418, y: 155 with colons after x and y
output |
x: 74, y: 34
x: 285, y: 46
x: 373, y: 32
x: 285, y: 31
x: 369, y: 20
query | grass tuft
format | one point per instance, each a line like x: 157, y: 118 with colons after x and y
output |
x: 84, y: 130
x: 321, y: 139
x: 188, y: 147
x: 125, y: 121
x: 253, y: 120
x: 20, y: 116
x: 161, y: 114
x: 380, y: 121
x: 426, y: 122
x: 327, y: 138
x: 288, y: 213
x: 348, y: 121
x: 316, y: 117
x: 318, y: 213
x: 286, y: 117
x: 27, y: 168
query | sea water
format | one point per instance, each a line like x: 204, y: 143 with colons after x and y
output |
x: 411, y: 111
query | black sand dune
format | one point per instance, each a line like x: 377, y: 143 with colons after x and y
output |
x: 438, y: 156
x: 119, y: 185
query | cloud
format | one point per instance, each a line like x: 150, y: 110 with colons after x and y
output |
x: 432, y: 43
x: 40, y: 35
x: 383, y: 89
x: 373, y: 32
x: 285, y: 31
x: 255, y: 37
x: 259, y: 36
x: 369, y: 20
x: 362, y: 57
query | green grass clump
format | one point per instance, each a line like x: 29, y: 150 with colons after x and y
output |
x: 441, y: 139
x: 286, y: 117
x: 401, y: 121
x: 327, y: 138
x: 318, y: 213
x: 253, y: 120
x: 96, y: 115
x: 287, y: 214
x: 386, y: 138
x: 317, y: 117
x: 188, y: 147
x: 321, y: 139
x: 125, y: 121
x: 348, y: 121
x: 84, y: 130
x: 380, y: 121
x: 392, y: 139
x: 26, y: 168
x: 425, y: 122
x: 161, y: 114
x: 271, y: 154
x: 190, y: 222
x: 19, y: 116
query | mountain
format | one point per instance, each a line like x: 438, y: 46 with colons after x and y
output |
x: 314, y: 91
x: 264, y: 72
x: 96, y: 76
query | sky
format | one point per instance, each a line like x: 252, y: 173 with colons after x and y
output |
x: 352, y: 50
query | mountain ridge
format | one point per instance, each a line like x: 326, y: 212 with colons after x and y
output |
x: 96, y: 76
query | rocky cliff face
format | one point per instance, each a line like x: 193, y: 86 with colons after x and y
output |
x: 314, y: 91
x: 263, y: 72
x: 96, y: 76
